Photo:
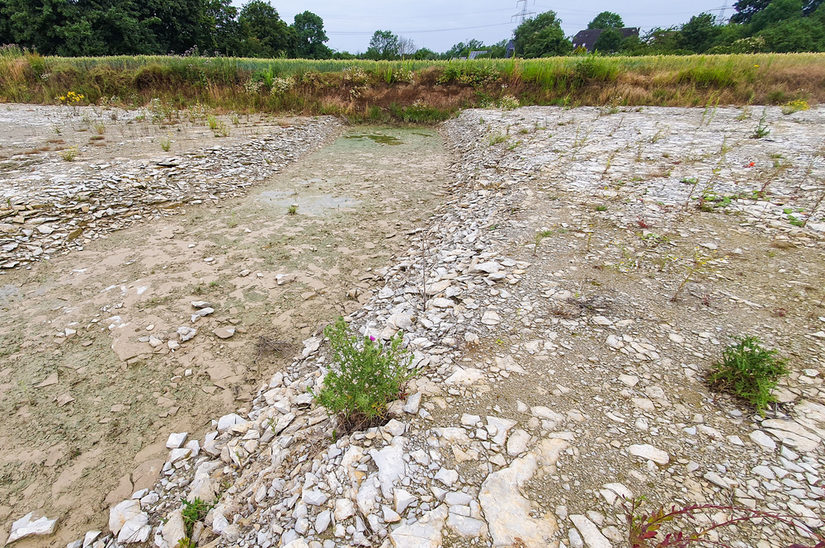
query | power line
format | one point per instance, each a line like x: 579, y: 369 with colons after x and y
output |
x: 523, y: 14
x: 370, y: 33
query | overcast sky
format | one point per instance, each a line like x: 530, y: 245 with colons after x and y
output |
x: 438, y: 24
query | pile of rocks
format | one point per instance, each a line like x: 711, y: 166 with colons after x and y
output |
x: 57, y: 216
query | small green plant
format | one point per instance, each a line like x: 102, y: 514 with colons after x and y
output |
x: 100, y: 127
x: 601, y: 207
x: 218, y: 127
x: 69, y: 154
x: 165, y: 144
x: 366, y: 375
x: 508, y: 102
x: 192, y: 513
x: 697, y: 265
x: 748, y: 371
x: 292, y: 210
x: 539, y: 237
x: 762, y: 127
x: 496, y: 139
x: 795, y: 106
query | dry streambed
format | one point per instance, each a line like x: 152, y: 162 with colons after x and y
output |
x: 584, y: 271
x: 103, y: 351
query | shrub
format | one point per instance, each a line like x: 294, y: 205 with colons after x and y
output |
x: 748, y: 371
x: 365, y: 377
x: 69, y: 154
x: 795, y: 106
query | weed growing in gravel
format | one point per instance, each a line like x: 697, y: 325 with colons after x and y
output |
x: 508, y: 102
x: 644, y: 529
x: 496, y: 139
x: 165, y: 144
x: 762, y: 127
x: 292, y: 210
x: 748, y: 371
x: 698, y: 264
x: 795, y: 106
x: 100, y: 127
x: 69, y: 154
x: 192, y: 513
x: 367, y: 375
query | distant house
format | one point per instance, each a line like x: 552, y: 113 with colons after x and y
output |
x: 587, y: 38
x: 474, y: 54
x: 511, y: 49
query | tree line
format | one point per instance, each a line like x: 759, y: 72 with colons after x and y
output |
x: 158, y: 27
x: 215, y: 27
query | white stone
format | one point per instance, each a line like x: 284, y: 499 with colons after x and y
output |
x: 517, y: 443
x: 490, y: 267
x: 498, y: 428
x: 761, y: 439
x: 413, y: 403
x: 121, y: 513
x: 490, y: 317
x: 466, y: 526
x: 136, y: 530
x: 314, y: 497
x: 447, y: 477
x: 465, y: 377
x: 226, y: 422
x: 647, y: 451
x: 391, y: 466
x: 173, y: 530
x: 28, y: 526
x: 389, y: 515
x: 589, y: 532
x: 402, y: 500
x: 425, y: 533
x: 508, y: 512
x: 344, y: 509
x: 322, y: 521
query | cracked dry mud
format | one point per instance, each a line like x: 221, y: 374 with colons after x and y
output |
x: 583, y: 271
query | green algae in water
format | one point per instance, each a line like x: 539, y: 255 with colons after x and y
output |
x: 378, y: 138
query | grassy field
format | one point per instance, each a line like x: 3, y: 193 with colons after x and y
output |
x: 412, y: 91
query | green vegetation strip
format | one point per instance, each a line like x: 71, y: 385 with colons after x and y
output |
x: 411, y: 91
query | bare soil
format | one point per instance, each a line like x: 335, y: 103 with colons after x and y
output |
x: 89, y: 405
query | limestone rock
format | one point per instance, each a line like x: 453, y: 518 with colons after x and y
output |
x: 29, y: 526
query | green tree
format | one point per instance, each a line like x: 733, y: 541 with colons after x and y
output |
x: 700, y: 33
x: 542, y: 36
x: 664, y: 41
x: 776, y: 12
x: 606, y: 20
x: 383, y: 45
x: 425, y: 54
x: 37, y: 24
x: 310, y: 37
x: 263, y: 33
x: 796, y: 34
x: 609, y: 41
x: 746, y: 9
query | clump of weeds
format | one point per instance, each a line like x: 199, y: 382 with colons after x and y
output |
x: 748, y: 371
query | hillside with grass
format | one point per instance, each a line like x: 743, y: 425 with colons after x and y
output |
x: 412, y: 91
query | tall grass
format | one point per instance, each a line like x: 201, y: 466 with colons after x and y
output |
x: 412, y: 90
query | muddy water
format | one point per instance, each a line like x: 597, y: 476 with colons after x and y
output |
x: 88, y: 405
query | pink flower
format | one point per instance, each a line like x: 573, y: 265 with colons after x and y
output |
x: 372, y: 339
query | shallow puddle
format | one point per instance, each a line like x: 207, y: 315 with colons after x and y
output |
x: 379, y: 138
x: 313, y: 204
